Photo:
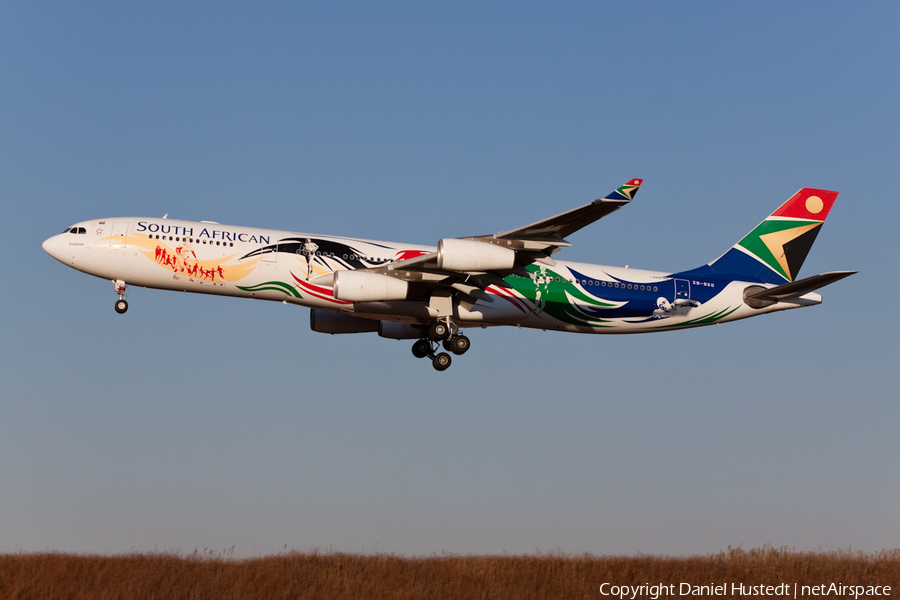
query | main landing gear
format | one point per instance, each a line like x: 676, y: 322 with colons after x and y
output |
x: 121, y: 290
x: 449, y: 337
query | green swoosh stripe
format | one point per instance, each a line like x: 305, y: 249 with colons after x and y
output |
x: 274, y: 286
x: 704, y: 320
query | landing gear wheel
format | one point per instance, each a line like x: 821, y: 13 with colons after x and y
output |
x: 441, y: 361
x: 421, y: 349
x: 121, y: 306
x: 459, y: 344
x: 438, y: 331
x: 447, y: 344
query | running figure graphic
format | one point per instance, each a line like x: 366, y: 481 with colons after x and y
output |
x: 309, y: 250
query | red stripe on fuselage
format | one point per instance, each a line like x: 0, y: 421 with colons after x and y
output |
x: 322, y: 293
x: 507, y: 295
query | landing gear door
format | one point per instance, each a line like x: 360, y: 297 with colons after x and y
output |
x: 117, y: 239
x: 682, y: 289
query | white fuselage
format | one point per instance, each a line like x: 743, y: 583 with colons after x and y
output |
x: 210, y: 258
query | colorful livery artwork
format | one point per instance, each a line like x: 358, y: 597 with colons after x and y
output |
x: 430, y: 294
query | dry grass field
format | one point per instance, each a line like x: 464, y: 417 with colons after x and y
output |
x: 335, y: 576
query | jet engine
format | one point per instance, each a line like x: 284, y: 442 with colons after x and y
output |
x: 361, y: 286
x: 469, y: 255
x: 324, y: 321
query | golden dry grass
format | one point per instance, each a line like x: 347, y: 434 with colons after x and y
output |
x: 336, y: 576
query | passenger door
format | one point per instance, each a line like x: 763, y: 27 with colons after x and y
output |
x: 119, y: 233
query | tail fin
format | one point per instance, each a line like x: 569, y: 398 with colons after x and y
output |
x: 775, y: 250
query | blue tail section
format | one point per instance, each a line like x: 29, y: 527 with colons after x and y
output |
x: 775, y: 250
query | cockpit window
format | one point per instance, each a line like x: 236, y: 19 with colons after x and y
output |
x: 70, y: 230
x: 82, y: 230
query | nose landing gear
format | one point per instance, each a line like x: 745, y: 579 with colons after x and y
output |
x: 121, y: 289
x: 447, y: 334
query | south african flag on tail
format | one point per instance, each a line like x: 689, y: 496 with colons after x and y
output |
x: 775, y: 250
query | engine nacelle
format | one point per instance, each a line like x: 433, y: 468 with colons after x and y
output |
x: 400, y: 331
x: 362, y: 286
x: 469, y: 255
x: 325, y: 321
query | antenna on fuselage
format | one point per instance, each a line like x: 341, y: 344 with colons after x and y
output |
x: 165, y: 215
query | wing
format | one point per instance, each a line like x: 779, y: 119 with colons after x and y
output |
x: 493, y: 257
x: 557, y: 228
x: 547, y: 235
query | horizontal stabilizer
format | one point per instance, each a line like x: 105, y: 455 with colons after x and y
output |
x: 797, y: 288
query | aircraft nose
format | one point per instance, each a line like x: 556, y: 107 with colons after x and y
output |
x: 53, y: 247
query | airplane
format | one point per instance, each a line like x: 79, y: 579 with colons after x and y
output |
x: 430, y: 294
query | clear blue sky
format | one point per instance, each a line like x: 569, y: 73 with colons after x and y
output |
x: 197, y: 422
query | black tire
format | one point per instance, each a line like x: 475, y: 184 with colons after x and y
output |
x: 121, y: 306
x: 442, y: 361
x: 438, y: 331
x: 421, y: 348
x: 447, y: 344
x: 460, y: 344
